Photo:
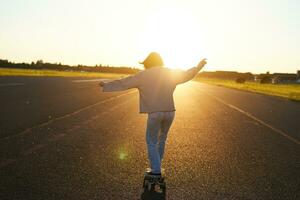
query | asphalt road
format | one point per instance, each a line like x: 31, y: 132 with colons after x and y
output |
x: 61, y: 139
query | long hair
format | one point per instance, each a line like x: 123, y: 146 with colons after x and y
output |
x: 153, y: 60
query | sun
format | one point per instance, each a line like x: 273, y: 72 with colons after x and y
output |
x: 175, y: 35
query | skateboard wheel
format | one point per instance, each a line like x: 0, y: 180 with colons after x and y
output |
x: 158, y: 188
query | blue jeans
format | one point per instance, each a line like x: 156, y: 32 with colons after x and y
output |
x: 158, y: 125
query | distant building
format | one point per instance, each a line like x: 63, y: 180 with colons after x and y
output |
x: 298, y: 76
x: 279, y: 77
x: 285, y: 78
x: 274, y: 78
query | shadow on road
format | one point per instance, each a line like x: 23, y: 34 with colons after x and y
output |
x: 146, y: 195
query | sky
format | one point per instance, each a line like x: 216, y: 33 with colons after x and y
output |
x: 234, y: 35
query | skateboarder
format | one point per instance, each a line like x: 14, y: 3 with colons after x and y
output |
x: 156, y: 85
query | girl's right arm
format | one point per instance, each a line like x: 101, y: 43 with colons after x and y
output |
x: 121, y: 84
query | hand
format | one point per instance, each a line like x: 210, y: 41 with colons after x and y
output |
x: 202, y: 63
x: 101, y: 83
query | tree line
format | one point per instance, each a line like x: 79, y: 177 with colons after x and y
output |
x: 40, y: 64
x: 230, y: 75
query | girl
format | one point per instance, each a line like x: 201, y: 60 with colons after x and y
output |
x: 156, y: 85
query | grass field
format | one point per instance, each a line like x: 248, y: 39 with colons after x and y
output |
x: 289, y: 91
x: 33, y: 72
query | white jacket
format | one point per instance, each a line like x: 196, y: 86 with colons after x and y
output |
x: 156, y: 86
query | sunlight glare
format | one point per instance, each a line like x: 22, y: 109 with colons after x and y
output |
x: 174, y: 35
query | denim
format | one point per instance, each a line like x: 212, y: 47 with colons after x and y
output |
x: 158, y: 125
x: 156, y: 87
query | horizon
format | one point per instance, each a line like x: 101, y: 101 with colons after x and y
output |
x: 244, y: 36
x: 139, y: 68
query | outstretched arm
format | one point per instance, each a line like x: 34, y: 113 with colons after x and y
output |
x: 121, y: 84
x: 184, y: 76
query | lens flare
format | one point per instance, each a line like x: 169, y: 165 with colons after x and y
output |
x: 122, y: 155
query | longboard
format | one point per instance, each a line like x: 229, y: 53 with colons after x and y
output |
x: 154, y: 184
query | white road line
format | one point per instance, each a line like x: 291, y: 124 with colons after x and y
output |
x: 90, y: 80
x: 11, y: 84
x: 7, y: 162
x: 28, y: 130
x: 35, y: 148
x: 280, y: 132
